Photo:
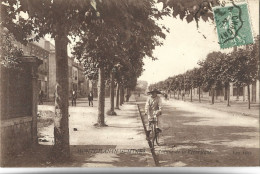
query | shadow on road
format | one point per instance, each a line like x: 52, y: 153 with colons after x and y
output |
x: 187, y: 140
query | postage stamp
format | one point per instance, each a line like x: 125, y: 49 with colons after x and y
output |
x: 233, y: 25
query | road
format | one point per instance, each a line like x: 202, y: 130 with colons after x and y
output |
x: 196, y: 136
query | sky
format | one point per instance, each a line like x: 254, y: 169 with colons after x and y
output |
x: 185, y: 45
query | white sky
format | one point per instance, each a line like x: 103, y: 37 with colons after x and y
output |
x: 184, y: 46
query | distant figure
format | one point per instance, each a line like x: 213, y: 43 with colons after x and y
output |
x: 74, y: 97
x: 90, y: 99
x: 127, y: 96
x: 166, y: 96
x: 183, y: 96
x: 41, y: 97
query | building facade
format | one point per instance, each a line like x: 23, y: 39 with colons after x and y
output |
x: 45, y: 51
x: 77, y: 79
x: 36, y: 49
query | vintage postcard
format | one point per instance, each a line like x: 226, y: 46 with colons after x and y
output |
x: 129, y: 83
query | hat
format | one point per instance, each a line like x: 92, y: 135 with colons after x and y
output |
x: 154, y: 90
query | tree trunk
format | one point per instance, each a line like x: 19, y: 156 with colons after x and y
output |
x: 248, y: 92
x: 35, y: 98
x: 191, y: 95
x: 101, y: 97
x: 121, y: 95
x: 238, y: 92
x: 112, y: 95
x: 61, y: 149
x: 213, y: 95
x: 244, y: 97
x: 199, y: 94
x: 127, y: 94
x: 228, y: 95
x: 117, y: 96
x: 178, y: 95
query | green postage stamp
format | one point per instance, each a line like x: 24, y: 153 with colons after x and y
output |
x: 233, y: 25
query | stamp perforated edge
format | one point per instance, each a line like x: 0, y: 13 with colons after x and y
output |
x: 249, y: 18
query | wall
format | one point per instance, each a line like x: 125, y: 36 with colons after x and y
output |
x: 19, y: 95
x: 16, y: 134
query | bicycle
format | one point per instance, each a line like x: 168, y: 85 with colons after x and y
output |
x: 154, y: 132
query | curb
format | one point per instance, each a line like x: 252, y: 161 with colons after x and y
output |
x: 155, y: 160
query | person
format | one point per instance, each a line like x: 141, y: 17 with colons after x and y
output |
x: 127, y: 96
x: 153, y: 107
x: 183, y: 96
x: 74, y: 98
x: 90, y: 99
x: 166, y: 96
x: 40, y: 97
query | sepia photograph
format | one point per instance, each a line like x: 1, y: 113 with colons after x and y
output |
x: 129, y: 84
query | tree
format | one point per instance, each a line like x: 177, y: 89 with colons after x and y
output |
x: 10, y: 54
x: 189, y: 81
x: 112, y: 89
x: 31, y: 20
x: 173, y: 85
x: 95, y: 50
x: 197, y: 80
x: 61, y: 20
x: 246, y: 68
x: 191, y: 10
x: 211, y: 72
x: 226, y: 66
x: 75, y: 17
x: 103, y: 48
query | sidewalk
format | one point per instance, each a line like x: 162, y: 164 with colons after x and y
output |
x: 236, y: 108
x: 121, y: 144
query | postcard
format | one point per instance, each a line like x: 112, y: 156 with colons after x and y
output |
x: 129, y: 83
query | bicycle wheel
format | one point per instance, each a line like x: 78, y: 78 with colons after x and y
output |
x: 157, y: 138
x: 153, y: 134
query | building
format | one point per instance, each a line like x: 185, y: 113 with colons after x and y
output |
x: 36, y: 49
x: 45, y: 51
x: 93, y: 87
x: 77, y: 79
x: 83, y: 82
x: 52, y: 69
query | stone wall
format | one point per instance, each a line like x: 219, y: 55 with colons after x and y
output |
x: 18, y: 107
x: 16, y: 135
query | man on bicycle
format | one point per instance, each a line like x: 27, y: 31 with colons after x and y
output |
x: 153, y: 107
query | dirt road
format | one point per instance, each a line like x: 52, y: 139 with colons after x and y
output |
x: 198, y: 136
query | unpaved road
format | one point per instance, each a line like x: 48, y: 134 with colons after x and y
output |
x: 197, y: 136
